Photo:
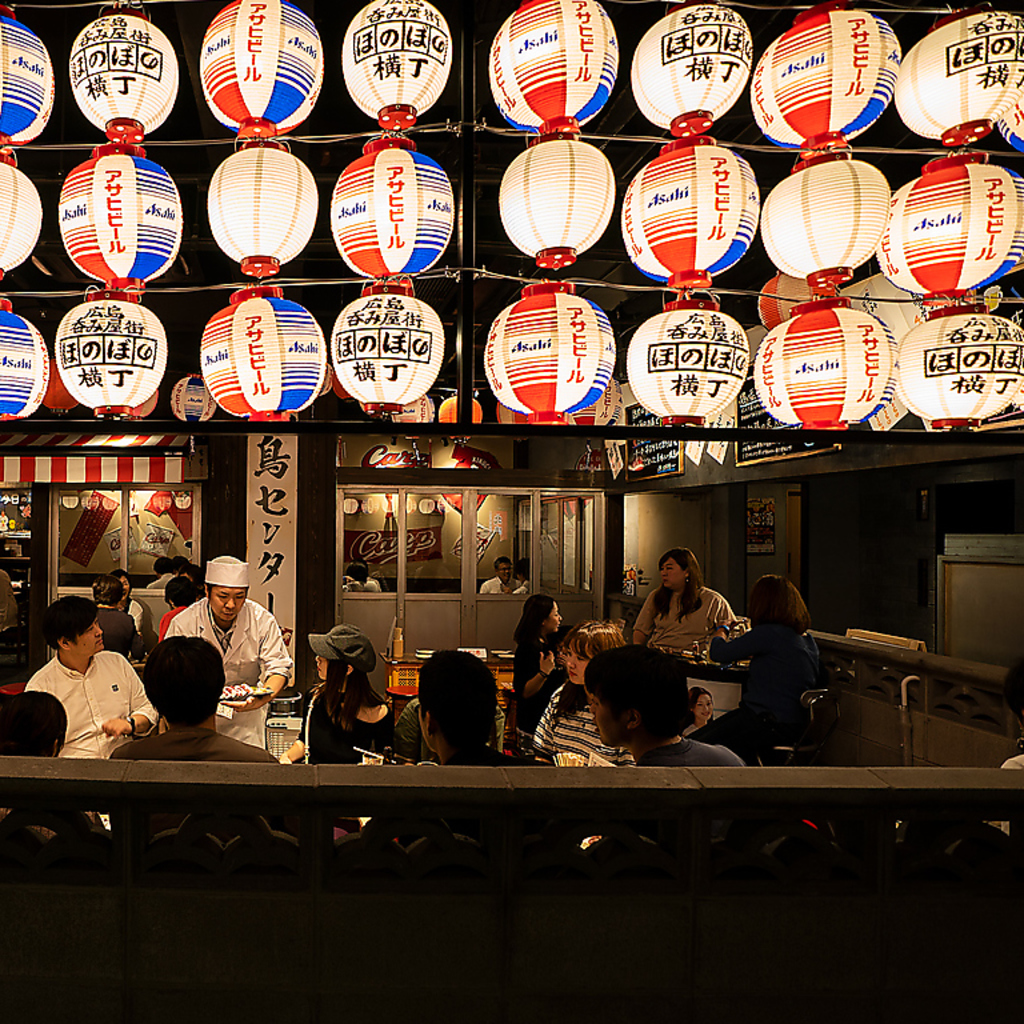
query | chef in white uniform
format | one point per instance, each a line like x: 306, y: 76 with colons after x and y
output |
x: 249, y: 640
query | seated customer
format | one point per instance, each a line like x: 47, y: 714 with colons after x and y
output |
x: 357, y: 579
x: 32, y: 725
x: 639, y: 700
x: 411, y: 744
x: 1013, y: 690
x: 184, y: 679
x: 119, y: 632
x: 179, y: 594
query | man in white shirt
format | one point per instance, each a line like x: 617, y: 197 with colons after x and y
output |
x: 248, y: 639
x: 499, y: 583
x: 103, y: 697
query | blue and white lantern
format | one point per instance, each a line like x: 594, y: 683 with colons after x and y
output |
x: 24, y: 365
x: 26, y: 82
x: 190, y: 401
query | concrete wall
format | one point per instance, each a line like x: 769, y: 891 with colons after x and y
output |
x: 654, y: 523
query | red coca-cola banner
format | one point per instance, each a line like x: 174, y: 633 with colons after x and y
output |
x: 378, y: 547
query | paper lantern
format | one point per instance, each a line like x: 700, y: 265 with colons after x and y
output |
x: 395, y: 59
x: 120, y: 217
x: 608, y: 410
x: 828, y: 78
x: 387, y: 346
x: 553, y: 62
x: 1012, y: 124
x: 24, y: 365
x: 124, y: 75
x: 261, y: 66
x: 826, y: 366
x: 778, y: 298
x: 140, y: 412
x: 262, y: 204
x: 957, y: 227
x: 392, y: 211
x: 691, y: 67
x: 508, y: 416
x: 264, y: 356
x: 899, y: 310
x: 420, y: 411
x: 961, y: 366
x: 190, y: 401
x: 963, y: 76
x: 111, y: 353
x: 550, y: 353
x: 26, y: 82
x: 556, y: 199
x: 57, y: 397
x: 690, y: 213
x: 687, y: 363
x: 23, y: 215
x: 336, y: 386
x: 448, y: 413
x: 826, y: 218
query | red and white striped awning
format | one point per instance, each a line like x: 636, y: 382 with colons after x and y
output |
x: 86, y: 467
x: 93, y: 440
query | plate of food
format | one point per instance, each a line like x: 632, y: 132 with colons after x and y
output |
x: 424, y: 654
x: 503, y: 654
x: 239, y: 693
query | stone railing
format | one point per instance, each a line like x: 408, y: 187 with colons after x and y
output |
x: 479, y: 894
x: 957, y: 715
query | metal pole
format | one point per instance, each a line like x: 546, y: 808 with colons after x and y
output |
x: 464, y: 319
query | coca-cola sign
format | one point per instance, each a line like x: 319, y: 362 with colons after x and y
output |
x: 378, y: 547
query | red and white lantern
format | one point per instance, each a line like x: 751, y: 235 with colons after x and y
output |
x: 449, y: 412
x: 608, y: 410
x: 1012, y: 124
x: 420, y: 411
x: 877, y: 296
x: 140, y: 412
x: 778, y: 298
x: 25, y: 364
x: 191, y: 401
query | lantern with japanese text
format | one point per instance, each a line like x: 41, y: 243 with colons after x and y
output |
x: 449, y: 411
x: 26, y: 82
x: 392, y: 211
x: 556, y: 199
x: 877, y: 296
x: 779, y: 296
x: 190, y: 401
x: 688, y: 362
x: 420, y: 411
x: 691, y: 66
x: 963, y: 76
x: 553, y: 64
x: 550, y: 353
x: 264, y: 356
x: 825, y: 367
x: 261, y: 66
x: 608, y: 410
x: 961, y: 366
x: 395, y: 60
x: 959, y: 226
x: 690, y: 213
x: 387, y: 346
x: 262, y: 204
x: 124, y: 75
x: 120, y: 217
x: 826, y: 218
x: 111, y: 353
x: 24, y: 365
x: 827, y: 79
x: 1011, y: 125
x: 23, y: 214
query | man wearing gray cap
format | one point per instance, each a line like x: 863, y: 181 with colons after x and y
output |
x: 249, y: 640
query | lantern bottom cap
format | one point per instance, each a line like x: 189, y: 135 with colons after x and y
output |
x: 555, y: 418
x: 952, y: 424
x: 682, y: 421
x: 556, y: 258
x: 125, y: 130
x: 396, y: 116
x: 380, y: 408
x: 260, y: 266
x: 112, y: 411
x: 967, y: 133
x: 824, y: 425
x: 257, y: 128
x: 269, y: 417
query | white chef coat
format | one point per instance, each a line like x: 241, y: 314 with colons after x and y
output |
x: 109, y: 689
x: 256, y: 650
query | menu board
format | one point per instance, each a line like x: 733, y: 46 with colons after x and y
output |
x: 656, y: 457
x: 750, y: 413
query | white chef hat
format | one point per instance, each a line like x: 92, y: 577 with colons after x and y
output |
x: 227, y: 571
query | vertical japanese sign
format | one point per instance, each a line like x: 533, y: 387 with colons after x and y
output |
x: 272, y: 507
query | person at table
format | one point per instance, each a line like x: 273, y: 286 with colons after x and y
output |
x: 500, y: 582
x: 702, y: 709
x: 783, y: 664
x: 357, y: 579
x: 521, y: 577
x: 567, y: 725
x: 534, y: 676
x: 682, y: 611
x: 32, y: 725
x: 1013, y: 691
x: 8, y: 602
x: 165, y: 569
x: 179, y: 594
x: 128, y: 603
x: 248, y: 639
x: 411, y: 745
x: 639, y: 701
x: 342, y: 712
x: 119, y: 632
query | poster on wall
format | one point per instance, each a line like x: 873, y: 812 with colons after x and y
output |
x: 750, y: 413
x: 651, y: 458
x: 760, y: 526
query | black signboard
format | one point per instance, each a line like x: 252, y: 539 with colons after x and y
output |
x: 750, y: 413
x: 657, y: 457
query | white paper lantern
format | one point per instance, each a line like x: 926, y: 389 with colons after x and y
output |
x: 687, y: 363
x: 263, y: 356
x: 961, y: 366
x: 420, y: 411
x: 963, y: 76
x: 959, y: 226
x: 23, y: 215
x: 828, y: 214
x: 140, y: 412
x: 24, y: 365
x: 556, y: 200
x: 696, y: 60
x: 111, y: 354
x: 608, y: 410
x: 828, y: 78
x: 778, y: 298
x: 387, y: 347
x: 395, y: 59
x: 550, y: 353
x: 26, y: 82
x: 877, y: 296
x: 190, y: 400
x: 1012, y: 124
x: 826, y: 366
x: 124, y: 75
x: 262, y: 204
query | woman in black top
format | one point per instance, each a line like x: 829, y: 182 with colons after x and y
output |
x: 342, y: 711
x: 534, y: 663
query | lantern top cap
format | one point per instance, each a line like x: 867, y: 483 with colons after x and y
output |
x: 388, y: 142
x: 820, y: 304
x: 7, y: 12
x: 549, y: 288
x: 710, y: 303
x: 118, y: 8
x: 265, y: 291
x: 390, y: 286
x: 959, y: 309
x: 819, y: 9
x: 964, y: 12
x: 945, y: 163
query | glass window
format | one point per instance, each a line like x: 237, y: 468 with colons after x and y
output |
x: 89, y: 534
x: 503, y: 528
x: 570, y: 516
x: 370, y: 537
x: 160, y: 523
x: 587, y: 545
x: 550, y: 530
x: 433, y: 543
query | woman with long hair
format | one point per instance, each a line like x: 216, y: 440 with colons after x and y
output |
x: 682, y: 611
x: 532, y: 671
x: 701, y: 709
x: 783, y: 664
x: 567, y: 725
x: 342, y: 711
